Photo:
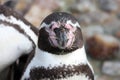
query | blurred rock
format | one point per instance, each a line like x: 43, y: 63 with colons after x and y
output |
x: 96, y: 17
x: 81, y: 6
x: 23, y: 6
x: 39, y: 10
x: 112, y: 26
x: 35, y: 15
x: 102, y: 46
x: 2, y: 1
x: 117, y: 34
x: 108, y: 5
x: 118, y: 12
x: 91, y: 30
x: 47, y: 4
x: 105, y: 77
x: 111, y: 68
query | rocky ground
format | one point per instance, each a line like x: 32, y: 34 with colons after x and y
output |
x: 100, y: 22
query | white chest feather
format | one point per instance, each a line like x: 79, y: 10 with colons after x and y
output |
x: 12, y: 45
x: 12, y: 42
x: 46, y: 60
x: 76, y: 77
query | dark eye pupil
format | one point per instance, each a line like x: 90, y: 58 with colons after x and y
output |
x: 56, y: 30
x: 51, y: 26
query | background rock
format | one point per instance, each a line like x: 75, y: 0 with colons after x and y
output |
x: 39, y: 10
x: 90, y: 30
x: 111, y: 68
x: 81, y: 6
x: 108, y: 5
x: 102, y: 46
x: 96, y: 17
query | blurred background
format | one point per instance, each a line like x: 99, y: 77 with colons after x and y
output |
x: 100, y: 23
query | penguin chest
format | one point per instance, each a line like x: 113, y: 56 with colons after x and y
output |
x: 45, y: 66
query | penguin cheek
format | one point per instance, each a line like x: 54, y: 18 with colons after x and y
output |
x: 53, y: 41
x: 71, y: 39
x: 52, y: 37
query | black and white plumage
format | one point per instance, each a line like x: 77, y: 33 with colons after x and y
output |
x: 60, y: 54
x: 17, y: 36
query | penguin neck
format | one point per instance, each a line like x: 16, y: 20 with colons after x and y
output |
x: 76, y: 57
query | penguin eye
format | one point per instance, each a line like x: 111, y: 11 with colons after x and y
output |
x: 56, y: 30
x: 51, y: 26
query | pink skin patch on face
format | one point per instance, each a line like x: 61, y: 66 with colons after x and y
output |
x: 70, y: 35
x: 53, y: 41
x: 52, y: 36
x: 71, y: 28
x: 55, y: 25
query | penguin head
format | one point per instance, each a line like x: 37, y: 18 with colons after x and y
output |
x: 60, y: 32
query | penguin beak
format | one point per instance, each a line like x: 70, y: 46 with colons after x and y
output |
x: 61, y: 37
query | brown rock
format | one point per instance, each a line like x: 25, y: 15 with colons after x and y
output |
x: 108, y: 5
x: 111, y: 68
x: 23, y: 6
x: 101, y: 46
x: 90, y: 30
x: 113, y: 27
x: 105, y: 77
x: 117, y: 34
x: 2, y: 1
x: 35, y: 15
x: 96, y: 17
x: 39, y: 10
x: 118, y: 4
x: 81, y: 6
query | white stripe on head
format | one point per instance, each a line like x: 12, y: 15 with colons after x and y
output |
x: 68, y: 22
x: 73, y: 24
x: 22, y: 25
x: 46, y: 25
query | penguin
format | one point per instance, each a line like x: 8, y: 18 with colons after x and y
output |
x: 60, y: 53
x: 18, y: 37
